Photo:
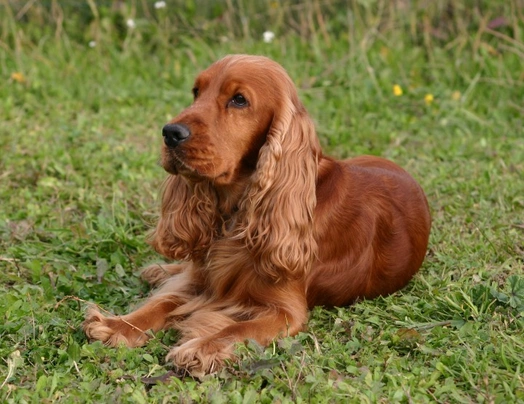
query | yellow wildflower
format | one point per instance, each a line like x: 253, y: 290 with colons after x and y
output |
x: 455, y: 95
x: 428, y: 98
x: 397, y: 90
x: 18, y: 77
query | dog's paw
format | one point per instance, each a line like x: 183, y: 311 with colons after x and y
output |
x: 156, y: 274
x: 112, y: 331
x: 201, y: 356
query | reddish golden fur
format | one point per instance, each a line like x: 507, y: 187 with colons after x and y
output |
x: 266, y: 226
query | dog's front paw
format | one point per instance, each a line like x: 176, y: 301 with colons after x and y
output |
x: 201, y: 356
x: 112, y: 331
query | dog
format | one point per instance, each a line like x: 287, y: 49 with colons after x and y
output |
x: 262, y: 225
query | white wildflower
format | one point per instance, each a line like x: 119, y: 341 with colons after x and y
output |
x: 130, y: 23
x: 92, y: 44
x: 160, y: 4
x: 268, y: 36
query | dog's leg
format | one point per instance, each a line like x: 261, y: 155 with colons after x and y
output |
x: 207, y: 353
x: 155, y: 314
x: 130, y: 330
x: 156, y: 274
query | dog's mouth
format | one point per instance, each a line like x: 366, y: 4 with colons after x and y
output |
x: 174, y: 163
x: 194, y: 172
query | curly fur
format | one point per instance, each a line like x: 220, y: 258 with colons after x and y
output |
x: 188, y: 219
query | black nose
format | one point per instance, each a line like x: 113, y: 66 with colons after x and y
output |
x: 175, y: 133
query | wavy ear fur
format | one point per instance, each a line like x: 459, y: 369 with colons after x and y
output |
x: 276, y: 213
x: 188, y: 220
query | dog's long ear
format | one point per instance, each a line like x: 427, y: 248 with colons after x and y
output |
x: 277, y: 210
x: 188, y: 219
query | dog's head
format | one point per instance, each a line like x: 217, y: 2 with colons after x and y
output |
x: 236, y: 102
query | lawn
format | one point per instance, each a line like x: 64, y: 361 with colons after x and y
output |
x: 85, y: 89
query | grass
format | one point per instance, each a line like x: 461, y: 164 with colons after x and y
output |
x: 79, y: 180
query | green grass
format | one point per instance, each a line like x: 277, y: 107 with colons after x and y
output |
x: 79, y: 181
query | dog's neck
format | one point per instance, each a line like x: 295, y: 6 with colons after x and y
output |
x: 229, y: 197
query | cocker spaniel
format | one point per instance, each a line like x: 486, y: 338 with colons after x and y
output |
x: 263, y: 225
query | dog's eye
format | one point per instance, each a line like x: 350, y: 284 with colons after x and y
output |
x: 195, y: 92
x: 239, y: 101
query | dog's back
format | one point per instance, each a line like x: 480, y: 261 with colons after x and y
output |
x: 372, y: 226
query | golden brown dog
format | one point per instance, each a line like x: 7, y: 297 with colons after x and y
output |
x: 264, y: 224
